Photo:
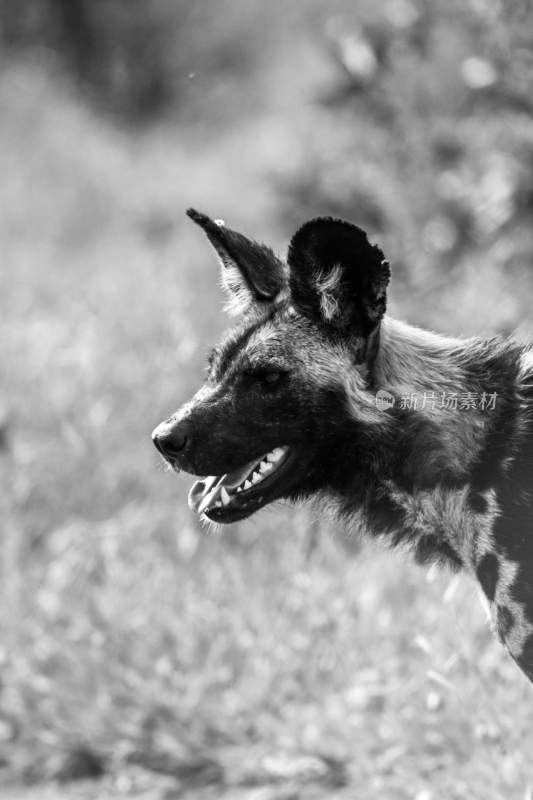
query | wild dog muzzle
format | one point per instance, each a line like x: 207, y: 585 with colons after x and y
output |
x: 217, y: 491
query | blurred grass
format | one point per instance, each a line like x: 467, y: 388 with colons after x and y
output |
x: 261, y: 662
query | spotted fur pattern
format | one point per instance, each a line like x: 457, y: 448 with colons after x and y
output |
x: 454, y: 484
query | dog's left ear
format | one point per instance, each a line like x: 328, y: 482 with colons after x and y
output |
x: 251, y: 274
x: 337, y: 277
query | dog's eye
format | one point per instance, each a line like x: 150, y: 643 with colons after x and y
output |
x: 271, y: 377
x: 267, y: 377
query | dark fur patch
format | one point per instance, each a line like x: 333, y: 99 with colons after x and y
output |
x: 513, y: 529
x: 488, y: 571
x: 504, y: 622
x: 421, y: 458
x: 384, y: 514
x: 326, y: 244
x: 493, y: 367
x: 429, y: 549
x: 477, y: 502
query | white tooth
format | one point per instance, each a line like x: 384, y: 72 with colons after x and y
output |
x: 239, y: 489
x: 247, y: 484
x: 264, y: 466
x: 218, y: 504
x: 224, y: 496
x: 275, y: 455
x: 256, y: 477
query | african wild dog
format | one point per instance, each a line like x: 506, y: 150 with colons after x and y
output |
x: 289, y: 410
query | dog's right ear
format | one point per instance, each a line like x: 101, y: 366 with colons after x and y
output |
x: 337, y: 278
x: 252, y: 275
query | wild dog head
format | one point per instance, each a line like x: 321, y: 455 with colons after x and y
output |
x: 287, y: 408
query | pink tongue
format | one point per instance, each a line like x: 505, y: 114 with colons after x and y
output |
x: 235, y: 478
x: 214, y: 484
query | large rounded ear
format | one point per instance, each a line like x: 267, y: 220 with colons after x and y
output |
x: 251, y: 274
x: 337, y: 277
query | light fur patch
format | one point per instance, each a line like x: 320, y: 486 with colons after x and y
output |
x: 239, y: 296
x: 482, y: 542
x: 439, y: 511
x: 526, y: 363
x: 263, y: 344
x: 328, y: 287
x: 522, y: 628
x: 447, y: 514
x: 333, y: 367
x: 412, y: 361
x: 361, y: 402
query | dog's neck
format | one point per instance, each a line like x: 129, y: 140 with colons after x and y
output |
x: 442, y: 444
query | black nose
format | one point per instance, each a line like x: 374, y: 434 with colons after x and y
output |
x: 170, y: 439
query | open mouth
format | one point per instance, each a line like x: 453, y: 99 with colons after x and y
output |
x: 238, y: 494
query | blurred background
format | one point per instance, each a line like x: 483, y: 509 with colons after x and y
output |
x: 141, y: 656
